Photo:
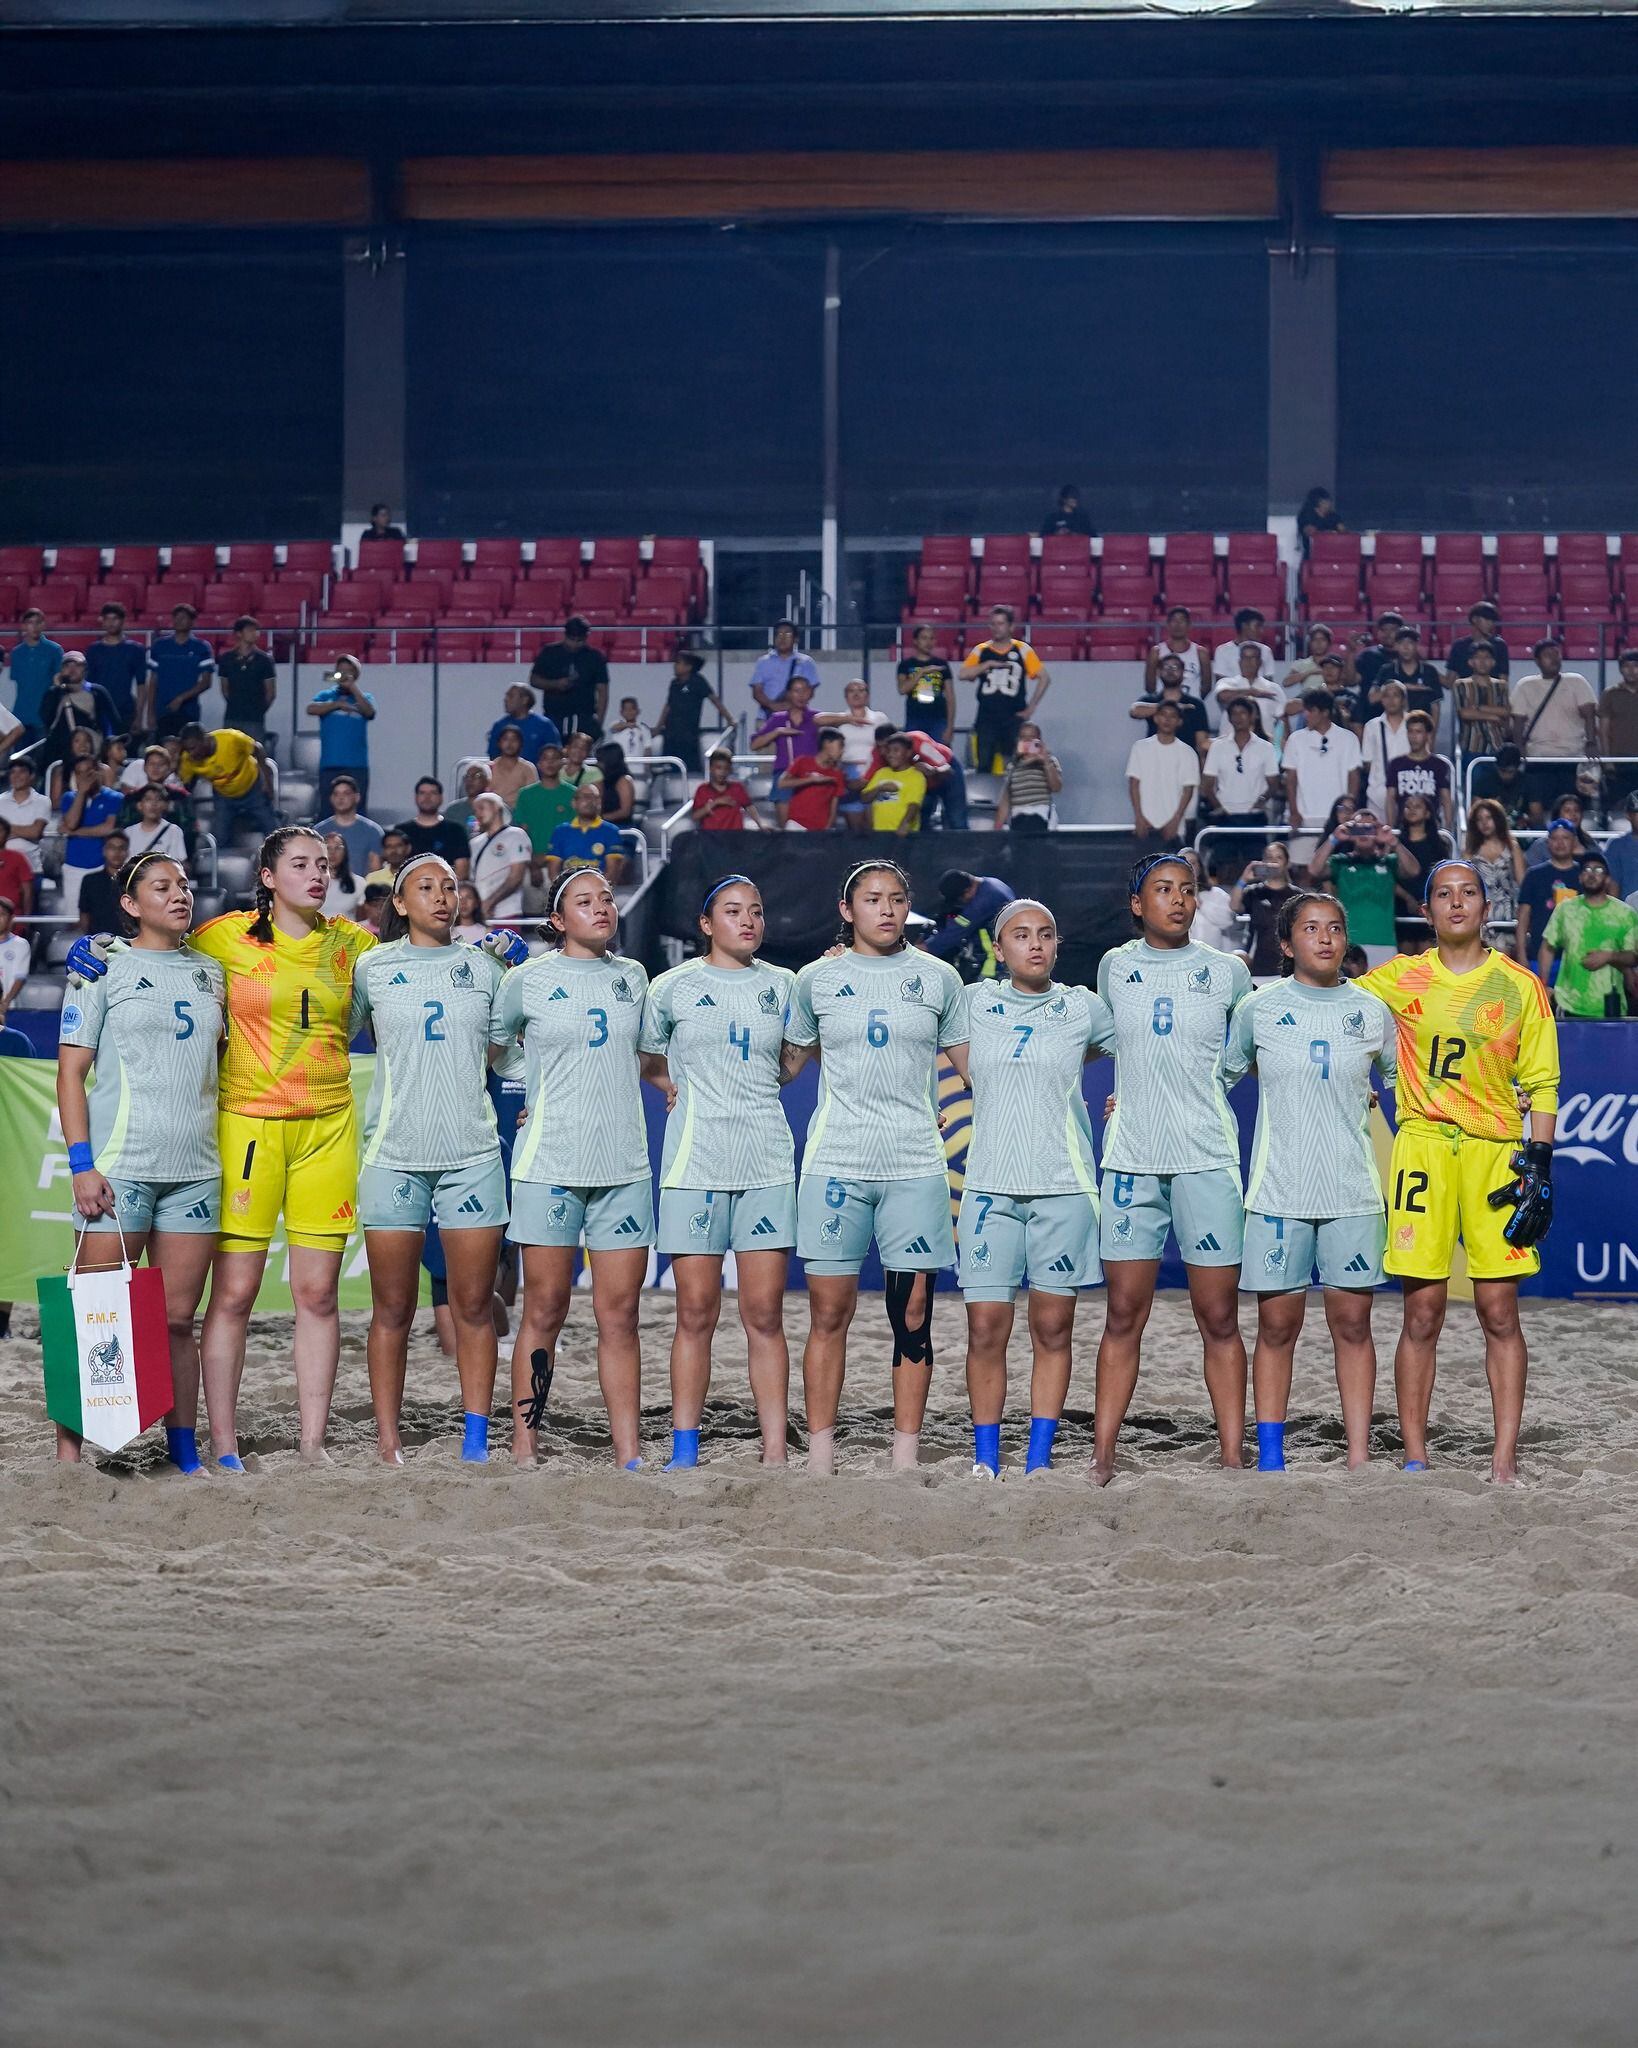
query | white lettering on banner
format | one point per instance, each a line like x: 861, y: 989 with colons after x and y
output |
x: 1587, y: 1125
x: 53, y: 1167
x: 1626, y: 1263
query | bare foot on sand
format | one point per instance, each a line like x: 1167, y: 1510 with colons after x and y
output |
x: 315, y: 1454
x: 390, y: 1454
x: 1504, y: 1472
x: 1101, y: 1473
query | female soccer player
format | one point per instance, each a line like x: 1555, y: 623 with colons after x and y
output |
x: 1314, y: 1198
x: 581, y: 1163
x: 874, y: 1159
x: 142, y: 1148
x: 430, y: 1144
x: 1171, y: 1153
x: 713, y: 1031
x: 1030, y: 1202
x: 287, y: 1133
x: 1475, y: 1030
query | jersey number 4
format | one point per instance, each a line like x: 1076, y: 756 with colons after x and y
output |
x: 740, y: 1035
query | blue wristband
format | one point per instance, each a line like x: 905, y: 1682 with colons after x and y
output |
x: 80, y: 1159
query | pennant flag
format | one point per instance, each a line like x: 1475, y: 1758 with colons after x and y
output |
x: 107, y: 1352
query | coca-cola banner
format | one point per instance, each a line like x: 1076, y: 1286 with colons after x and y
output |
x: 1593, y: 1248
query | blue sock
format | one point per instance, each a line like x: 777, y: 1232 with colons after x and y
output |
x: 475, y: 1439
x: 685, y: 1450
x: 1042, y: 1429
x: 1415, y: 1465
x: 1271, y: 1447
x: 632, y: 1465
x: 987, y: 1445
x: 230, y: 1462
x: 182, y: 1448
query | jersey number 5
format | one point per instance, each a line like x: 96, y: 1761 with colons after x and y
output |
x: 184, y: 1020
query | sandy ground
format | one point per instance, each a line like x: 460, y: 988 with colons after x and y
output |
x: 445, y: 1757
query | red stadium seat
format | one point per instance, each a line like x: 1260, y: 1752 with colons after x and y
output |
x: 481, y: 592
x: 61, y: 598
x: 667, y: 587
x: 1054, y: 644
x: 556, y: 556
x: 25, y: 562
x: 544, y: 597
x: 192, y: 558
x: 622, y: 552
x: 142, y: 563
x: 130, y: 591
x: 1125, y: 554
x: 1520, y: 551
x: 251, y: 558
x: 1128, y: 594
x: 602, y: 597
x: 1332, y: 590
x: 399, y: 642
x: 1522, y: 588
x: 1584, y: 589
x: 244, y: 593
x: 1198, y: 551
x: 1334, y: 551
x: 384, y: 558
x: 499, y: 551
x: 676, y: 551
x: 1394, y: 588
x: 181, y: 590
x: 1399, y: 549
x: 416, y: 617
x: 314, y: 556
x: 1195, y: 588
x: 81, y: 563
x: 459, y: 647
x: 328, y: 645
x: 952, y: 613
x: 1008, y: 583
x: 1066, y: 551
x: 1114, y: 641
x: 10, y: 601
x: 940, y: 583
x: 1263, y: 590
x: 438, y: 554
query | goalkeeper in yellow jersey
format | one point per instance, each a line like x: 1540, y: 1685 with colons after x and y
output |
x: 1475, y: 1032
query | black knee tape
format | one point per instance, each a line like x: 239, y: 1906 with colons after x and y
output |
x: 912, y: 1343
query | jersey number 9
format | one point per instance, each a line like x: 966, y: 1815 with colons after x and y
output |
x: 1319, y: 1051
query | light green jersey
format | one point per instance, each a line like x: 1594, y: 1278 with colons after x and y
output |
x: 579, y: 1022
x: 1171, y: 1011
x: 879, y: 1024
x: 1313, y: 1049
x: 154, y: 1021
x: 434, y: 1012
x: 1031, y: 1134
x: 720, y: 1030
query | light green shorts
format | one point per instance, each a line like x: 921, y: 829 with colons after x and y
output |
x: 909, y: 1219
x: 463, y: 1198
x: 718, y: 1220
x: 1203, y: 1209
x: 1054, y: 1238
x: 610, y: 1219
x: 1282, y: 1252
x: 192, y: 1208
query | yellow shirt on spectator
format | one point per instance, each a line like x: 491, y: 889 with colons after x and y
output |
x: 230, y: 766
x: 890, y: 792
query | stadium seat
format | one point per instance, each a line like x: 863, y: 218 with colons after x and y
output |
x: 949, y: 613
x: 555, y: 555
x: 670, y: 588
x: 1584, y: 589
x: 499, y: 551
x: 1128, y: 594
x: 1067, y: 551
x: 1394, y: 587
x: 941, y: 583
x: 313, y: 556
x: 83, y: 564
x: 142, y: 563
x: 543, y: 597
x: 437, y: 554
x: 192, y: 558
x: 27, y: 562
x: 1334, y: 551
x: 676, y: 551
x: 1402, y: 550
x: 328, y: 645
x: 1198, y: 551
x: 384, y: 558
x: 1007, y: 549
x: 60, y: 598
x: 181, y: 590
x: 621, y: 552
x: 1054, y: 644
x: 9, y: 601
x: 415, y: 617
x: 485, y: 592
x: 130, y: 591
x: 1331, y: 589
x: 397, y: 642
x: 1124, y: 554
x: 1263, y: 589
x: 602, y: 597
x: 1522, y: 588
x: 1114, y: 641
x: 1520, y: 551
x: 252, y: 558
x: 1194, y: 587
x: 1006, y: 583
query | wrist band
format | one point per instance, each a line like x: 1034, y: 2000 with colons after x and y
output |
x: 80, y: 1159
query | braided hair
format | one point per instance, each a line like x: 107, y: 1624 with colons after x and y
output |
x: 850, y: 886
x: 267, y: 858
x: 1291, y: 909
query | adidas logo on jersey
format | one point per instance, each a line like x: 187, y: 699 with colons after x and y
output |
x: 1414, y: 1009
x: 846, y: 989
x: 142, y: 983
x: 472, y: 1206
x: 1358, y: 1264
x: 399, y: 980
x: 199, y: 1213
x: 342, y: 1215
x: 628, y: 1226
x: 1065, y: 1264
x: 763, y: 1227
x: 1133, y: 976
x: 1208, y: 1243
x: 998, y: 1009
x: 706, y: 1003
x: 1288, y: 1018
x: 920, y: 1247
x: 558, y: 995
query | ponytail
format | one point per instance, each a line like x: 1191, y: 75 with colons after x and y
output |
x: 267, y: 858
x: 844, y: 936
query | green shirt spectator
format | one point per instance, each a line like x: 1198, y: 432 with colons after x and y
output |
x: 1594, y: 938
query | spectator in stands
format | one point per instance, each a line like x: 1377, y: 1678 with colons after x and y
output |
x: 1194, y: 728
x: 236, y: 769
x: 1618, y: 717
x: 1180, y: 646
x: 472, y: 773
x: 82, y: 746
x: 721, y: 804
x: 1484, y: 711
x: 1317, y: 514
x: 344, y: 708
x: 534, y: 731
x: 946, y: 781
x: 90, y: 811
x: 572, y: 677
x: 927, y: 685
x: 545, y: 805
x: 971, y: 903
x: 774, y: 673
x: 1252, y: 680
x: 1592, y: 938
x: 1363, y: 862
x: 858, y: 725
x: 180, y: 667
x: 25, y: 811
x: 1069, y: 515
x: 1214, y: 912
x: 155, y: 830
x: 11, y: 733
x: 250, y: 681
x: 1497, y: 855
x: 789, y: 730
x: 99, y: 892
x: 1352, y: 708
x: 341, y: 899
x: 1547, y: 885
x: 34, y: 661
x: 578, y: 765
x: 509, y: 773
x: 1034, y: 777
x: 1425, y: 843
x: 678, y: 729
x: 15, y: 956
x: 1322, y: 764
x: 1248, y: 632
x: 1504, y: 779
x: 16, y: 874
x: 1419, y: 771
x: 73, y: 705
x: 619, y: 791
x: 1568, y: 811
x: 155, y: 763
x: 429, y: 831
x: 1261, y: 893
x: 1241, y: 773
x: 1306, y: 673
x: 587, y: 842
x: 895, y: 792
x: 630, y: 733
x: 1485, y: 621
x: 1011, y: 683
x: 1162, y: 778
x: 361, y: 835
x: 117, y: 666
x: 1420, y: 679
x: 469, y: 918
x: 1369, y: 660
x: 373, y: 906
x: 500, y: 856
x: 1622, y: 851
x: 381, y: 526
x: 813, y: 786
x: 395, y: 850
x: 1555, y: 713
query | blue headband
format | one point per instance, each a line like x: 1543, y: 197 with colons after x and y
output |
x: 1144, y: 868
x: 1438, y: 865
x: 717, y: 887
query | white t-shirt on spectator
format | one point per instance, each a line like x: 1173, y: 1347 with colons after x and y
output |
x: 165, y: 837
x: 858, y: 739
x: 1323, y: 761
x: 1242, y: 772
x: 1560, y: 729
x: 33, y: 806
x: 637, y: 739
x: 14, y: 959
x: 1381, y: 744
x: 490, y: 860
x: 1226, y: 661
x: 1164, y: 770
x: 1190, y: 658
x: 1264, y: 692
x: 342, y: 899
x: 1214, y: 921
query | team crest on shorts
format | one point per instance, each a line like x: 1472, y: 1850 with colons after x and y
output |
x: 1353, y: 1025
x: 979, y: 1255
x: 699, y: 1224
x: 1404, y: 1237
x: 1123, y: 1230
x: 1274, y: 1259
x: 768, y: 1002
x: 239, y: 1201
x: 557, y: 1215
x: 911, y: 990
x: 403, y: 1194
x: 460, y: 974
x: 130, y: 1198
x: 622, y: 989
x: 830, y: 1231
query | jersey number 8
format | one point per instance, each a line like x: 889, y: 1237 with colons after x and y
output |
x: 1161, y: 1020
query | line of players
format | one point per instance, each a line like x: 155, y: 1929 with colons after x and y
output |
x: 256, y: 1010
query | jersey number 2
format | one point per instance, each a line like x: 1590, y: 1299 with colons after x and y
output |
x: 432, y: 1026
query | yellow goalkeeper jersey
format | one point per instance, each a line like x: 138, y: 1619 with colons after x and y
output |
x: 1469, y: 1042
x: 288, y: 1006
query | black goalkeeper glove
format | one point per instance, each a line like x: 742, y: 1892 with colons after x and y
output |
x: 1531, y: 1196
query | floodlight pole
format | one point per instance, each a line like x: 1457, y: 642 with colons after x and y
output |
x: 830, y: 553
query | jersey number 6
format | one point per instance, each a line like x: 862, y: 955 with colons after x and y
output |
x: 876, y: 1028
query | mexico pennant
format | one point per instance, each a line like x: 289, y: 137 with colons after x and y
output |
x: 107, y: 1352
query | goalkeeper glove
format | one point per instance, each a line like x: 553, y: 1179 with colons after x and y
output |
x: 88, y: 956
x: 1531, y: 1196
x: 504, y: 945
